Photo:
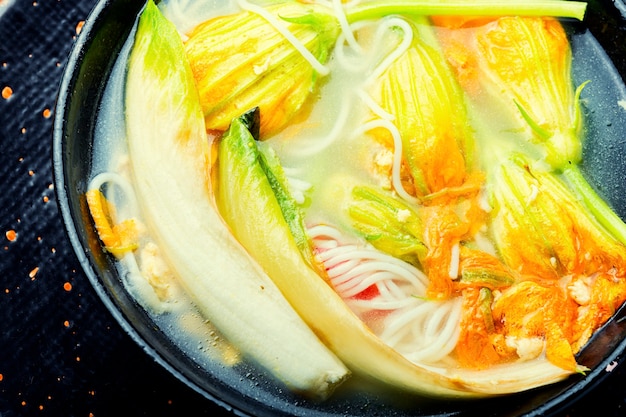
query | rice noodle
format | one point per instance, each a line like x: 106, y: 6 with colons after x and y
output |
x: 297, y: 187
x: 340, y: 53
x: 396, y: 179
x: 375, y: 107
x: 386, y: 118
x: 345, y: 26
x: 407, y: 39
x: 363, y: 62
x: 110, y: 181
x: 337, y: 131
x: 424, y: 331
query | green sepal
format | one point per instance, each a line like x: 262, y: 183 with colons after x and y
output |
x: 387, y: 223
x: 245, y: 163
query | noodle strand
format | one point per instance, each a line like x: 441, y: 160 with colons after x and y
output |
x: 280, y: 27
x: 424, y: 331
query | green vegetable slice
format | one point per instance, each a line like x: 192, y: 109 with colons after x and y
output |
x: 169, y: 156
x: 556, y: 8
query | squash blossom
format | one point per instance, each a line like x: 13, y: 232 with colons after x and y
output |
x: 531, y: 314
x: 428, y: 107
x: 542, y: 230
x: 119, y: 238
x: 475, y: 348
x: 242, y: 61
x: 522, y: 65
x: 563, y: 274
x: 419, y: 91
x: 572, y: 271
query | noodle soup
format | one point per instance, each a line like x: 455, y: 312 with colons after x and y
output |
x: 347, y: 171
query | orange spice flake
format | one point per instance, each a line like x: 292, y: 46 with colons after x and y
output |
x: 1, y: 377
x: 66, y: 323
x: 32, y: 274
x: 79, y: 26
x: 47, y: 113
x: 67, y: 286
x: 7, y: 92
x: 11, y: 235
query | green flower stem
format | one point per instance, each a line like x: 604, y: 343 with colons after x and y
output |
x: 555, y: 8
x: 603, y: 213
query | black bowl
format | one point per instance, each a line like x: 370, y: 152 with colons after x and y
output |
x: 245, y: 389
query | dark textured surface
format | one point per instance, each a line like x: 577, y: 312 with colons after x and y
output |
x: 61, y: 352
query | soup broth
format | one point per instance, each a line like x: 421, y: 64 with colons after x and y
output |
x: 325, y: 152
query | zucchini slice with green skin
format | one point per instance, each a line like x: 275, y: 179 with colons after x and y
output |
x: 256, y: 217
x: 169, y: 156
